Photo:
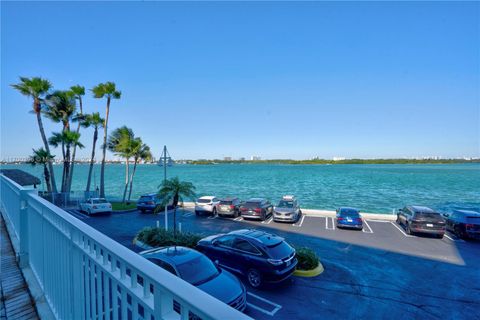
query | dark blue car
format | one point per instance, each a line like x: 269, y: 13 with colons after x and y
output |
x: 148, y: 202
x: 464, y: 224
x: 195, y: 268
x: 349, y: 218
x: 257, y: 255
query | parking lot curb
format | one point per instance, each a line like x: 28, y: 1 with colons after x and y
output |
x: 310, y: 273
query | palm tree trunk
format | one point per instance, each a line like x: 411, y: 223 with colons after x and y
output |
x: 175, y: 203
x: 47, y: 148
x: 70, y: 178
x: 66, y: 166
x: 104, y: 152
x: 131, y: 179
x: 95, y: 136
x: 47, y: 178
x: 127, y: 176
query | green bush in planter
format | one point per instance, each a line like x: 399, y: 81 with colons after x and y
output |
x: 307, y: 258
x: 158, y: 237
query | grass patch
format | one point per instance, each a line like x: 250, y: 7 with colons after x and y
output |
x: 158, y: 237
x: 307, y: 258
x: 123, y: 206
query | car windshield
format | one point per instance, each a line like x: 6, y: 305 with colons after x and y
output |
x: 251, y: 204
x: 99, y: 201
x: 198, y: 270
x: 473, y: 220
x: 285, y: 204
x: 280, y: 250
x: 204, y: 200
x: 225, y: 202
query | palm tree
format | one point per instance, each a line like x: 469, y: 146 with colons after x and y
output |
x: 174, y: 189
x: 61, y: 107
x: 120, y: 142
x: 78, y: 91
x: 92, y: 120
x: 109, y: 91
x: 37, y: 88
x: 67, y: 139
x: 140, y: 151
x: 41, y: 156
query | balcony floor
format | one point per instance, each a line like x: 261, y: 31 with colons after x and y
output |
x: 16, y: 302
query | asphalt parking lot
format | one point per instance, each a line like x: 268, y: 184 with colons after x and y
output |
x: 376, y: 273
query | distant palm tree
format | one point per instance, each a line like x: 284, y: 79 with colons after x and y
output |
x: 174, y: 189
x: 92, y: 120
x: 61, y: 108
x: 120, y: 142
x: 67, y: 139
x: 140, y: 151
x: 41, y: 156
x: 109, y: 91
x: 78, y: 92
x: 37, y: 88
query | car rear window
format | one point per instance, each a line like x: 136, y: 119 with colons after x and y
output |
x: 99, y: 201
x: 225, y: 202
x: 146, y: 198
x: 426, y: 215
x: 251, y: 204
x: 349, y: 213
x: 203, y: 200
x: 473, y: 220
x: 280, y: 250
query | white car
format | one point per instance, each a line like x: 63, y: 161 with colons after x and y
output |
x: 206, y: 204
x: 96, y: 205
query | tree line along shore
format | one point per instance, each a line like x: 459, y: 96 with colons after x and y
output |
x: 325, y: 161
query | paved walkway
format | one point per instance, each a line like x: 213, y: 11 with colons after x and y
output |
x: 15, y: 302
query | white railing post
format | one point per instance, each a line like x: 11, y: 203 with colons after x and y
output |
x: 23, y: 232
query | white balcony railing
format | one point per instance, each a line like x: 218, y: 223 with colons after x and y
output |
x: 84, y: 274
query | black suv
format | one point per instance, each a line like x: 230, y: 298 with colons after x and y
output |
x: 417, y: 219
x: 229, y: 207
x: 256, y: 208
x: 464, y: 223
x: 260, y: 256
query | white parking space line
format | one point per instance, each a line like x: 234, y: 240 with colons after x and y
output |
x: 268, y: 221
x: 213, y: 217
x: 275, y: 307
x: 298, y: 225
x: 186, y: 215
x: 382, y: 221
x: 78, y: 214
x: 366, y: 223
x: 453, y: 239
x: 400, y: 229
x: 238, y: 219
x: 326, y: 223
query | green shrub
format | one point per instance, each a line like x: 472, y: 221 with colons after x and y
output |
x: 307, y: 258
x: 158, y: 237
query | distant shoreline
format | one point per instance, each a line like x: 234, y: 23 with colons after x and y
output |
x: 294, y: 162
x: 334, y: 162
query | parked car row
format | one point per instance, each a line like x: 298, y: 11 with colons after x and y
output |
x: 287, y: 209
x: 257, y: 256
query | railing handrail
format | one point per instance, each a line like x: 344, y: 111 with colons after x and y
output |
x: 197, y: 299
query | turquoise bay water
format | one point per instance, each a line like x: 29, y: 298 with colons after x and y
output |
x: 371, y: 188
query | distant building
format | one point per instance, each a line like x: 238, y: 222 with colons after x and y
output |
x: 227, y: 159
x: 255, y: 158
x: 242, y: 159
x: 338, y: 158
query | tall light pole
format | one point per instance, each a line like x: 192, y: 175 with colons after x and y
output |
x: 165, y: 160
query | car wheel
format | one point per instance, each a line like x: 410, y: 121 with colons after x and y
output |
x: 236, y: 214
x: 142, y: 210
x: 398, y: 220
x: 440, y: 236
x: 458, y: 232
x: 197, y: 213
x: 407, y: 229
x: 89, y: 211
x: 254, y: 278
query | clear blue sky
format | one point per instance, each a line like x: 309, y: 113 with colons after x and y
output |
x: 278, y: 80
